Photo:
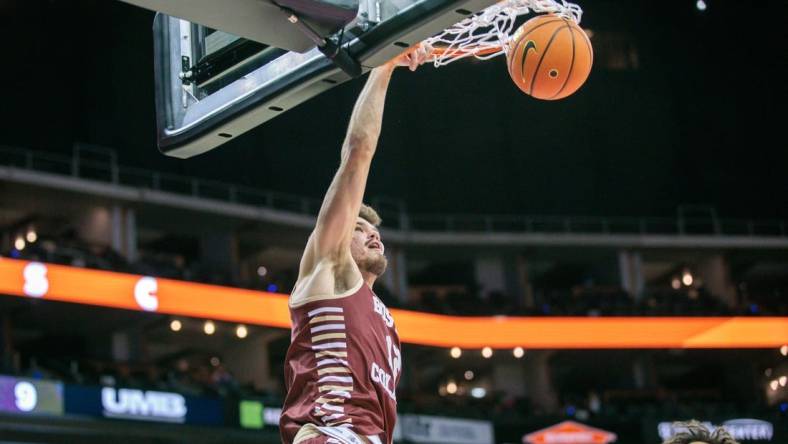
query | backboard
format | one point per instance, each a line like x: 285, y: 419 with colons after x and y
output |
x: 223, y: 68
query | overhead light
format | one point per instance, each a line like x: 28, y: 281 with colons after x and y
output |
x: 468, y: 375
x: 686, y: 278
x: 455, y: 352
x: 701, y: 5
x: 478, y: 392
x: 783, y: 380
x: 675, y: 283
x: 518, y: 352
x: 215, y: 361
x: 209, y: 328
x: 774, y: 384
x: 19, y: 243
x: 175, y: 325
x: 784, y: 350
x: 262, y: 271
x: 31, y: 236
x: 451, y: 388
x: 487, y: 352
x: 241, y: 331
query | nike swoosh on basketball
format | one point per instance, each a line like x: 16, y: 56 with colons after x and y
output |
x: 528, y: 45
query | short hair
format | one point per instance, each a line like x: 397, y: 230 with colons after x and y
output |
x: 694, y: 431
x: 370, y: 215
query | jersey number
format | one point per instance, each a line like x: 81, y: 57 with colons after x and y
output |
x: 395, y: 359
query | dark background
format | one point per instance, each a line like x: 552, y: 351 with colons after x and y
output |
x: 692, y: 117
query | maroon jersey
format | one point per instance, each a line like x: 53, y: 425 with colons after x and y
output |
x: 342, y: 367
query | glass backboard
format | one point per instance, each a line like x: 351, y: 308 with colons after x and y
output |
x: 223, y: 68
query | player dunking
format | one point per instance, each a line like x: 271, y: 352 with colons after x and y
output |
x: 344, y: 361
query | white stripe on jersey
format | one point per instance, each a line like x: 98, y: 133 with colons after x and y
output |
x: 329, y: 345
x: 332, y: 417
x: 341, y: 393
x: 336, y: 379
x: 324, y: 310
x: 333, y: 408
x: 332, y: 361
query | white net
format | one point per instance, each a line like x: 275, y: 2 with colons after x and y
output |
x: 486, y: 34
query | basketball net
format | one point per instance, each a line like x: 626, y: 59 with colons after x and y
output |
x: 487, y: 33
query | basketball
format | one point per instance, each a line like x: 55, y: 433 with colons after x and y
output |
x: 550, y: 57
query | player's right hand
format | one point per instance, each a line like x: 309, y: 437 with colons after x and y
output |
x: 414, y: 57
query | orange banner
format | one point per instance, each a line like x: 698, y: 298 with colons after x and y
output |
x: 167, y: 296
x: 570, y: 432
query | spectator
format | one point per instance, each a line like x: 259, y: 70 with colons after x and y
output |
x: 693, y: 432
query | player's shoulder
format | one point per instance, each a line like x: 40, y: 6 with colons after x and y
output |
x: 327, y: 280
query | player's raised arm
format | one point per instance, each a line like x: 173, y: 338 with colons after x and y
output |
x: 337, y: 217
x: 338, y: 214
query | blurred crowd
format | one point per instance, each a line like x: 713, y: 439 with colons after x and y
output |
x: 194, y: 375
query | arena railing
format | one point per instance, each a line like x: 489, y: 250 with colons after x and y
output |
x: 105, y: 168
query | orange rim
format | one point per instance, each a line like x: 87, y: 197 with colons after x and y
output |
x: 440, y: 50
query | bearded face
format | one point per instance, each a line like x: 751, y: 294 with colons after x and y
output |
x: 367, y: 249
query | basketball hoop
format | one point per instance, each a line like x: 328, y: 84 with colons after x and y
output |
x: 487, y: 33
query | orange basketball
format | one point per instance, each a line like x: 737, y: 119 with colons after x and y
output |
x: 550, y: 57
